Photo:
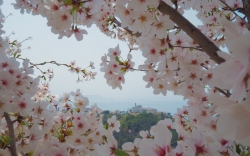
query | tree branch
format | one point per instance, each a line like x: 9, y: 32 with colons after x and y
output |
x: 206, y: 44
x: 188, y: 47
x: 137, y: 34
x: 227, y: 94
x: 233, y: 11
x: 11, y: 134
x: 246, y: 6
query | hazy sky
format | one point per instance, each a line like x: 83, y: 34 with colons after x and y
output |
x: 45, y: 46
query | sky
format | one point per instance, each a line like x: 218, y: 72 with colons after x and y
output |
x: 45, y: 46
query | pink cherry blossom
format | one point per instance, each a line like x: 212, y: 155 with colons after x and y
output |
x: 113, y: 124
x: 160, y: 145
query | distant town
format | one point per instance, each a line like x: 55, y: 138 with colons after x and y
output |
x: 136, y: 109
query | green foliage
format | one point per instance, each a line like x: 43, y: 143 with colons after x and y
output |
x: 240, y: 150
x: 237, y: 147
x: 132, y: 124
x: 31, y: 153
x: 119, y: 152
x: 4, y: 141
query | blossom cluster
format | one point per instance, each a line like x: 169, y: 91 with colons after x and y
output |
x: 45, y: 124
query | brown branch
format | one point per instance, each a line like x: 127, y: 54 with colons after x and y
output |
x: 145, y: 70
x: 233, y: 11
x: 227, y: 94
x: 137, y: 34
x: 206, y: 44
x: 80, y: 2
x: 188, y: 47
x: 138, y: 69
x: 11, y: 134
x: 45, y: 62
x: 51, y: 62
x: 246, y: 6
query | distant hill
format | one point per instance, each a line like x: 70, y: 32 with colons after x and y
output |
x: 132, y: 124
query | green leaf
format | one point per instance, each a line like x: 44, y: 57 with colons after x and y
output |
x: 4, y: 139
x: 104, y: 138
x: 83, y: 71
x: 77, y: 110
x: 69, y: 132
x: 119, y: 152
x: 13, y: 43
x: 31, y: 153
x: 238, y: 150
x: 118, y: 60
x: 23, y: 123
x: 123, y: 69
x: 106, y: 126
x: 66, y: 1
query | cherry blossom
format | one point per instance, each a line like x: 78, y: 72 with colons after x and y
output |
x: 113, y: 124
x: 160, y: 145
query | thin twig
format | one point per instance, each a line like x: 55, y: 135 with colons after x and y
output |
x: 11, y: 134
x: 223, y: 92
x: 51, y: 62
x: 45, y: 62
x: 145, y: 70
x: 231, y: 9
x: 188, y: 47
x: 80, y: 2
x: 137, y: 34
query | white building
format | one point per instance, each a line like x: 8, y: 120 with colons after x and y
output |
x: 140, y: 109
x: 136, y: 109
x: 148, y: 110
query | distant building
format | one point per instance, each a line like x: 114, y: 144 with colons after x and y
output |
x: 140, y: 109
x: 148, y: 110
x: 129, y: 110
x: 136, y: 109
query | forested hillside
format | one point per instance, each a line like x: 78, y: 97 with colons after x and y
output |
x: 132, y: 124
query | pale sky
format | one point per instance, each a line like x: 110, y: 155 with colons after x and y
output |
x: 45, y: 46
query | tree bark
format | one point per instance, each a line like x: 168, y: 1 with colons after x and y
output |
x: 11, y: 134
x: 206, y: 44
x: 246, y: 6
